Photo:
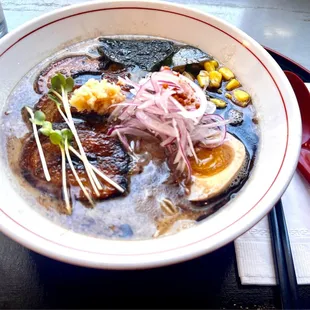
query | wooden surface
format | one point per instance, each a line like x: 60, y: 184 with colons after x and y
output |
x: 29, y: 280
x: 283, y: 25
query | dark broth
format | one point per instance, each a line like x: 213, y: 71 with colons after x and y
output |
x: 136, y: 215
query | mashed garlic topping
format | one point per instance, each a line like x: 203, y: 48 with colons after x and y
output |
x: 96, y: 96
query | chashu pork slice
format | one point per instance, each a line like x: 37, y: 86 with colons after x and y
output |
x: 104, y: 152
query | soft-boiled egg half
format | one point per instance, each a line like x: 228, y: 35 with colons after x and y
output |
x: 217, y: 168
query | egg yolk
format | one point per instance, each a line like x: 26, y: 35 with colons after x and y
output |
x: 212, y: 161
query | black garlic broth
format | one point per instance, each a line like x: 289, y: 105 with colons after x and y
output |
x: 152, y: 205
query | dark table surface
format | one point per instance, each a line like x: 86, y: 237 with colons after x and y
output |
x: 29, y: 280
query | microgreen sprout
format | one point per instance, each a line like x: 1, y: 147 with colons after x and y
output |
x: 62, y: 139
x: 60, y: 87
x: 39, y: 117
x: 59, y: 138
x: 66, y: 134
x: 46, y: 128
x: 35, y: 118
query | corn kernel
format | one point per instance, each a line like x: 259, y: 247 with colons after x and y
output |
x: 203, y: 78
x: 232, y: 84
x: 215, y: 63
x: 219, y: 103
x: 228, y: 96
x: 227, y: 73
x: 188, y: 75
x: 215, y: 79
x: 241, y: 98
x: 209, y: 66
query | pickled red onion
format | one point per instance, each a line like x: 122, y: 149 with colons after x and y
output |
x: 154, y: 111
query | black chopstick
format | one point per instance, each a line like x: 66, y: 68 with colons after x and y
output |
x: 283, y: 258
x: 288, y: 254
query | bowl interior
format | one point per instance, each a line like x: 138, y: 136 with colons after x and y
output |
x: 272, y: 96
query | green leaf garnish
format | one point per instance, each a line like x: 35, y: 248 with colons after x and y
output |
x: 40, y: 149
x: 39, y: 116
x: 36, y: 122
x: 59, y: 81
x: 67, y: 134
x: 54, y: 98
x: 45, y: 131
x: 69, y: 84
x: 62, y: 79
x: 56, y: 137
x: 46, y: 128
x: 47, y: 125
x: 56, y: 83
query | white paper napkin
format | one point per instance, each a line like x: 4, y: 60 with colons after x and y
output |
x: 254, y: 250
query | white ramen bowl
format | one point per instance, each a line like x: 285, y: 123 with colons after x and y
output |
x: 273, y: 98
